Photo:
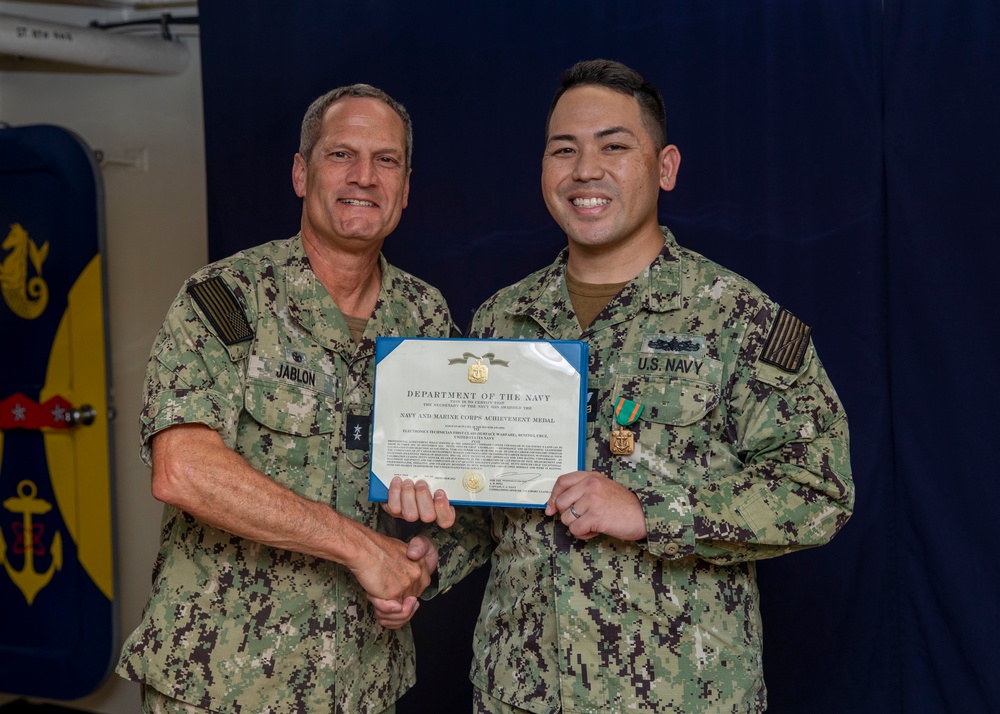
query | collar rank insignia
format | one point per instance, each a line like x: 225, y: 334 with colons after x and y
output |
x: 786, y: 345
x: 217, y: 301
x: 357, y: 431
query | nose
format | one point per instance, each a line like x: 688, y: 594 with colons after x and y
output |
x: 362, y: 172
x: 587, y: 167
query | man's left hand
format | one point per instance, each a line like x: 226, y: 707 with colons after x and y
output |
x: 414, y: 502
x: 590, y: 503
x: 393, y: 614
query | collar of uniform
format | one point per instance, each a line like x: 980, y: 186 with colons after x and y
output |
x: 660, y: 282
x: 310, y: 305
x: 546, y: 300
x: 389, y: 314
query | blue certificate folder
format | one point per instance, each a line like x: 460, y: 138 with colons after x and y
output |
x: 492, y: 422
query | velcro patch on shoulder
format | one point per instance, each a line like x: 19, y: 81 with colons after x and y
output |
x: 786, y: 345
x: 219, y: 304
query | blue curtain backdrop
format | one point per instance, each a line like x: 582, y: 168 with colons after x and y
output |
x: 842, y: 154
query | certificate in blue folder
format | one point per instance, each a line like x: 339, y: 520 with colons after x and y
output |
x: 491, y: 422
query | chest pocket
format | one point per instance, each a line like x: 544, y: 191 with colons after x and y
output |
x: 677, y: 401
x: 288, y: 434
x: 289, y: 409
x: 674, y: 433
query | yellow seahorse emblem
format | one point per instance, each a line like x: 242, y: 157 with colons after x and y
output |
x: 26, y: 298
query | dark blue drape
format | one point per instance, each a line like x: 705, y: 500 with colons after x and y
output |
x: 839, y: 153
x: 942, y: 110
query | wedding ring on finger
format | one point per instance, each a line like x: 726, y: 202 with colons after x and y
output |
x: 573, y: 511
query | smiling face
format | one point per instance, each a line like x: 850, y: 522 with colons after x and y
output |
x: 602, y: 173
x: 356, y: 183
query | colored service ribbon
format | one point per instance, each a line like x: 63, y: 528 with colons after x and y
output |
x: 627, y: 411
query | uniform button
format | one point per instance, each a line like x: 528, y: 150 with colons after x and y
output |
x: 671, y: 549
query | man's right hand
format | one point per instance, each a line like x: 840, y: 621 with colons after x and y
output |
x: 388, y: 573
x: 195, y: 471
x: 413, y: 501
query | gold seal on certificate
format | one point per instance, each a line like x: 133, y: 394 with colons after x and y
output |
x: 473, y: 481
x: 478, y: 372
x: 490, y: 422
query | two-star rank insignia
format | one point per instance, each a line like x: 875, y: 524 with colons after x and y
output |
x: 357, y: 431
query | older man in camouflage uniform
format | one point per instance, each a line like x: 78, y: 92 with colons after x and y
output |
x: 716, y: 439
x: 258, y: 395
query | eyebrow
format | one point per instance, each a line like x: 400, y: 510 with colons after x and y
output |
x: 350, y: 146
x: 610, y: 131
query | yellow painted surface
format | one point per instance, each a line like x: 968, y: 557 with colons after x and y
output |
x: 78, y: 458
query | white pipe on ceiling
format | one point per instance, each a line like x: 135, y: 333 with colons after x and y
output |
x: 91, y: 47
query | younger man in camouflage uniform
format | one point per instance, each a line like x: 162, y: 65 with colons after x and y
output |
x: 716, y: 439
x: 255, y: 423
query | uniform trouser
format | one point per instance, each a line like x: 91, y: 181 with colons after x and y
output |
x: 156, y: 702
x: 483, y: 703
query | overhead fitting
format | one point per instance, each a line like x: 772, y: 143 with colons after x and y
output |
x: 90, y: 46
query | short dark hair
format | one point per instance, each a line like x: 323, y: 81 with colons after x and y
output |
x: 312, y: 122
x: 619, y: 78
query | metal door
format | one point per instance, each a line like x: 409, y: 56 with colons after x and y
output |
x: 57, y: 582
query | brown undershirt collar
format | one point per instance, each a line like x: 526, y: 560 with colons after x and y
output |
x: 590, y: 298
x: 357, y: 327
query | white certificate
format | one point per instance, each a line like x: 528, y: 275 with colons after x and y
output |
x: 491, y: 422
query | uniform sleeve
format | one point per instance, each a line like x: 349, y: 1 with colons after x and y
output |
x: 482, y: 325
x: 461, y: 549
x: 793, y: 488
x: 191, y: 377
x: 419, y: 308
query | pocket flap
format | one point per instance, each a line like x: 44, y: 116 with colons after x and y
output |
x: 288, y: 409
x: 675, y: 401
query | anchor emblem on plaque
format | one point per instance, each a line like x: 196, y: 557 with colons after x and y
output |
x: 29, y: 541
x: 478, y: 372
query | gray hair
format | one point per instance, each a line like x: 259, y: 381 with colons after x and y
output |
x: 312, y: 122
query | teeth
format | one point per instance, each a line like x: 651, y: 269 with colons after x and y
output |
x: 356, y: 202
x: 590, y: 202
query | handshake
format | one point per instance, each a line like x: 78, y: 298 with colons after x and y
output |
x: 394, y: 573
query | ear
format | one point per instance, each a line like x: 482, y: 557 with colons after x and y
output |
x: 299, y: 171
x: 670, y: 164
x: 406, y: 187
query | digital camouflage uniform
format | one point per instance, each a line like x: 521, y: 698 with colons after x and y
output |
x: 232, y: 625
x: 735, y: 459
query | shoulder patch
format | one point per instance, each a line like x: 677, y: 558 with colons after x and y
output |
x: 786, y: 345
x: 219, y: 304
